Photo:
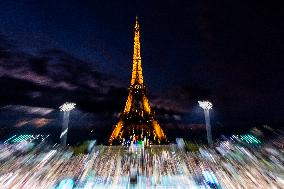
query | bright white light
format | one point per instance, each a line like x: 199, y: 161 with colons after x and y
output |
x: 206, y: 105
x: 63, y: 133
x: 67, y: 106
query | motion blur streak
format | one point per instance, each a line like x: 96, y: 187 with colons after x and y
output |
x: 238, y: 162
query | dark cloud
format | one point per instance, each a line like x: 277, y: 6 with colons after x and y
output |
x: 38, y: 83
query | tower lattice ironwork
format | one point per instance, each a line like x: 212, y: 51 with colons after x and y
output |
x: 137, y: 121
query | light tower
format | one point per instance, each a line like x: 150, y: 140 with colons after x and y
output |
x: 206, y: 106
x: 65, y: 108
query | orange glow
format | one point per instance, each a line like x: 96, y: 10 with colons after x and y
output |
x: 137, y: 105
x: 40, y: 122
x: 137, y: 76
x: 158, y: 131
x: 146, y: 105
x: 116, y: 131
x: 128, y: 104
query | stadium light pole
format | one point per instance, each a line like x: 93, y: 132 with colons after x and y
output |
x: 206, y: 106
x: 65, y: 108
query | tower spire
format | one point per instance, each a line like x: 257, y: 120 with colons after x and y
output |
x: 136, y: 23
x: 137, y: 76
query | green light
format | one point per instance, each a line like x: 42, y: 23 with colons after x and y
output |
x: 248, y: 138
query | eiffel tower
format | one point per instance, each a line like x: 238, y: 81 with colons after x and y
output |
x: 137, y: 121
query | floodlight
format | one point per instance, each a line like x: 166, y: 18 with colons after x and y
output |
x: 206, y: 105
x: 67, y: 106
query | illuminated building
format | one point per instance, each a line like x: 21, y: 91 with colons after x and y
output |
x: 137, y: 121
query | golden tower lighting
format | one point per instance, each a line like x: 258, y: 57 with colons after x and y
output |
x: 137, y: 120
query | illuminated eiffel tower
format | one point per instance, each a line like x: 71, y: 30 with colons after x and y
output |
x: 137, y: 121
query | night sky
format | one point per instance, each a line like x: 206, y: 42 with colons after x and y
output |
x: 230, y: 52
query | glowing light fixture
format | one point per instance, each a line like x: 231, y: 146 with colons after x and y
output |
x: 67, y: 106
x: 250, y: 139
x: 206, y: 106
